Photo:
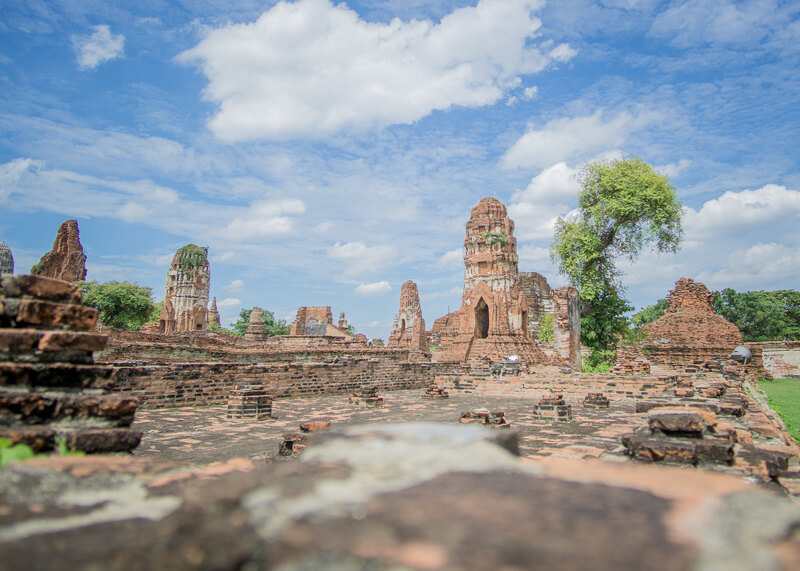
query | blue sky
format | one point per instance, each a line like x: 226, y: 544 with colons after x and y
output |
x: 328, y: 152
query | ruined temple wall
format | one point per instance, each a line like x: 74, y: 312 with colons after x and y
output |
x: 322, y: 316
x: 567, y: 325
x: 159, y: 386
x: 66, y: 260
x: 539, y: 295
x: 208, y: 346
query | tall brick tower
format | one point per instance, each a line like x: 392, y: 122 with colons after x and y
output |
x: 493, y: 319
x: 408, y: 329
x: 186, y: 291
x: 492, y: 301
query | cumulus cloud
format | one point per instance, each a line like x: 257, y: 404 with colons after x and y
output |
x: 358, y: 258
x: 771, y: 206
x: 101, y: 46
x: 744, y: 240
x: 556, y: 183
x: 572, y: 137
x: 229, y: 302
x: 375, y: 288
x: 265, y: 219
x: 235, y: 285
x: 310, y: 68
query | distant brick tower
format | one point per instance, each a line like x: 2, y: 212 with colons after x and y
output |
x: 66, y: 261
x: 6, y: 259
x: 186, y: 291
x: 213, y: 314
x: 408, y: 329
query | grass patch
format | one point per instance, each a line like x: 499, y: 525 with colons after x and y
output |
x: 784, y: 398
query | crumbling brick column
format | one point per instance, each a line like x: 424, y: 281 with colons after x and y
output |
x: 49, y: 384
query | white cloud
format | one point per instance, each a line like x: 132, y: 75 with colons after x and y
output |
x: 360, y: 258
x: 715, y: 22
x: 452, y: 293
x: 264, y: 219
x: 452, y: 258
x: 556, y: 183
x: 737, y: 213
x: 310, y: 69
x: 375, y: 288
x: 530, y: 92
x: 100, y: 47
x: 235, y: 285
x: 572, y: 137
x: 224, y: 257
x: 229, y: 302
x: 674, y: 169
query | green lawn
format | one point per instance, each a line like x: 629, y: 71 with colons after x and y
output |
x: 784, y: 397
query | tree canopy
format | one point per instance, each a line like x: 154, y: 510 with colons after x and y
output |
x: 623, y: 207
x: 650, y: 313
x: 274, y: 327
x: 123, y: 305
x: 761, y: 315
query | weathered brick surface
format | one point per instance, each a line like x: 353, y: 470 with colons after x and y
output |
x: 159, y: 386
x: 408, y: 328
x: 66, y: 261
x: 49, y: 384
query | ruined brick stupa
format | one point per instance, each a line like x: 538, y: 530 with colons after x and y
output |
x: 66, y: 261
x: 186, y: 292
x: 6, y: 259
x: 689, y: 330
x: 408, y: 329
x: 497, y: 315
x: 213, y: 314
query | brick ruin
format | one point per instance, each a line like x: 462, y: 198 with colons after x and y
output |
x: 408, y: 328
x: 50, y: 387
x: 502, y: 309
x: 6, y: 259
x: 689, y: 330
x: 186, y: 291
x: 318, y: 321
x: 66, y: 261
x: 212, y: 318
x: 256, y: 330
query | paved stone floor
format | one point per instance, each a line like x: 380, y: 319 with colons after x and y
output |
x: 203, y: 435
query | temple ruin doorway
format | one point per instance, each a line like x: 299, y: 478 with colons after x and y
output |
x: 525, y: 323
x: 481, y: 320
x: 402, y: 327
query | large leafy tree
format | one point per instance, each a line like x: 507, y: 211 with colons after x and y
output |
x: 761, y: 315
x: 274, y: 327
x: 624, y: 207
x: 123, y: 305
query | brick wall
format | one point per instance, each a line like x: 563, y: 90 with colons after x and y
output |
x: 182, y: 384
x: 781, y: 358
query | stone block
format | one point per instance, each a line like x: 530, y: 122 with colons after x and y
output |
x: 46, y: 314
x: 662, y: 450
x: 597, y: 400
x: 493, y: 419
x: 102, y: 440
x: 62, y: 375
x: 714, y: 451
x: 39, y: 438
x: 39, y: 287
x: 681, y: 420
x: 315, y: 425
x: 249, y: 402
x: 72, y: 341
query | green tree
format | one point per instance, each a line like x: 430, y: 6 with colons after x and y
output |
x: 624, y: 207
x: 274, y: 327
x: 122, y: 305
x: 761, y: 315
x: 650, y: 313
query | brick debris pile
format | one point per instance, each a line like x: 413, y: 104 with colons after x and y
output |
x: 49, y: 385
